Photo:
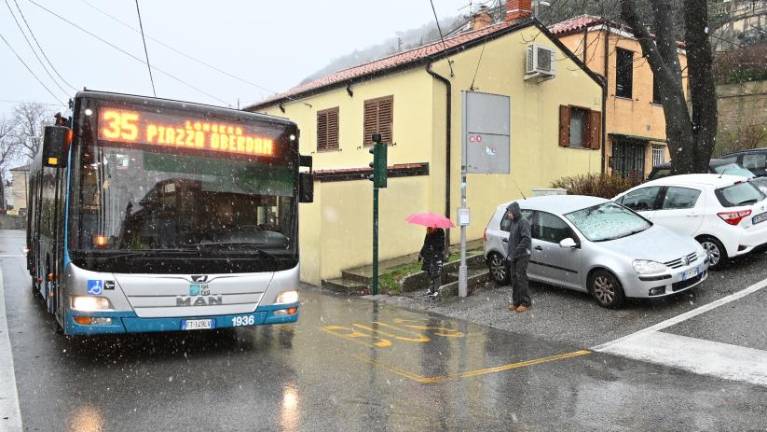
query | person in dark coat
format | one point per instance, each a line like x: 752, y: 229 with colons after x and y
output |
x: 518, y: 257
x: 432, y: 253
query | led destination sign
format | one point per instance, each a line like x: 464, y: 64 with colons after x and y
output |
x: 178, y: 131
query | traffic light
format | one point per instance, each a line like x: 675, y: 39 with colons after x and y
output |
x: 379, y: 163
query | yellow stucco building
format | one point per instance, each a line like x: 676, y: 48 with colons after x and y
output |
x: 635, y: 123
x: 414, y: 99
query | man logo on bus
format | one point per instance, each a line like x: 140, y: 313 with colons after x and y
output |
x: 199, y: 294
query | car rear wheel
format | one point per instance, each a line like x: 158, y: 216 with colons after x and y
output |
x: 606, y: 289
x: 717, y: 254
x: 497, y: 267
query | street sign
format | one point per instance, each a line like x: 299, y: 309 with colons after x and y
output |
x: 464, y: 217
x: 487, y: 130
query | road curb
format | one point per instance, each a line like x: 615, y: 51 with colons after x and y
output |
x: 10, y: 411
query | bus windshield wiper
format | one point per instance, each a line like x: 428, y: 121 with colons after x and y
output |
x: 234, y: 247
x: 140, y: 253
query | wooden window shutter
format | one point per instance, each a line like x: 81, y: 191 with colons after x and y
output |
x: 378, y: 117
x: 564, y: 126
x: 594, y: 124
x: 327, y: 129
x: 370, y: 121
x: 386, y: 119
x: 322, y: 130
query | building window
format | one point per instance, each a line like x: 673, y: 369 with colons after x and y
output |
x: 579, y: 127
x: 624, y: 73
x: 327, y: 129
x: 658, y: 155
x: 655, y: 91
x: 378, y: 118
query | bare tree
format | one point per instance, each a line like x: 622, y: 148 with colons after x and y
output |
x: 31, y: 119
x: 690, y: 131
x: 8, y: 151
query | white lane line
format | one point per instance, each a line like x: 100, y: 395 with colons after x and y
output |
x: 685, y: 316
x: 703, y: 357
x: 9, y: 394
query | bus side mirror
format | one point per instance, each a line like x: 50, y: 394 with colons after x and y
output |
x: 305, y: 188
x: 56, y: 141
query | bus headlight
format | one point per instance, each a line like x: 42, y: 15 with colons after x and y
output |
x: 287, y: 297
x: 90, y: 303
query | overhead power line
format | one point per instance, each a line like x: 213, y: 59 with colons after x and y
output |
x: 441, y: 36
x: 39, y: 60
x: 127, y: 53
x: 182, y: 53
x: 146, y: 52
x: 30, y: 70
x: 42, y: 51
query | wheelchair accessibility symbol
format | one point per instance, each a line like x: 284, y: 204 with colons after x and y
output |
x: 95, y: 287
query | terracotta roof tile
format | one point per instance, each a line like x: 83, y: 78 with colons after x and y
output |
x: 393, y: 61
x: 575, y: 24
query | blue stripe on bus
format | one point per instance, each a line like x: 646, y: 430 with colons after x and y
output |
x: 129, y: 322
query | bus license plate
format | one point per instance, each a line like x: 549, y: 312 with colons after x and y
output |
x: 202, y: 324
x: 759, y: 218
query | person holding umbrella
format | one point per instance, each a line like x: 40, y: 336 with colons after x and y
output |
x: 433, y: 250
x: 432, y: 253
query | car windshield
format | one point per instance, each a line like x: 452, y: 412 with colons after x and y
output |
x: 739, y: 194
x: 733, y: 169
x: 608, y: 221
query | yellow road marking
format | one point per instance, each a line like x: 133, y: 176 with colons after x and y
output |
x: 473, y: 373
x: 418, y: 337
x: 354, y: 336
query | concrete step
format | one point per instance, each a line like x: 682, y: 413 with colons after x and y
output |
x: 357, y: 276
x: 345, y: 286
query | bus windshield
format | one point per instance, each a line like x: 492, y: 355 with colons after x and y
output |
x: 162, y: 203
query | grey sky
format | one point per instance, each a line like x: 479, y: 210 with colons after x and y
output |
x: 272, y: 44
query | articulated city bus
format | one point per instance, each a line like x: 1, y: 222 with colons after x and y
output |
x: 152, y: 215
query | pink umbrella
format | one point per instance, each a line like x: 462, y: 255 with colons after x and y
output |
x: 429, y: 219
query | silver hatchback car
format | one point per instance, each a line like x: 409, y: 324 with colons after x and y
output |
x: 596, y: 246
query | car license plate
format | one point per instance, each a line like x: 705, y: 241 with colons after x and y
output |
x: 201, y: 324
x: 689, y: 274
x: 759, y: 218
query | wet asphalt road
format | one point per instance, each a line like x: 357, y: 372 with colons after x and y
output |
x: 350, y: 365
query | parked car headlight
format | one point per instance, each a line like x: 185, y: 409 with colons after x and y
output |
x: 649, y: 267
x: 287, y: 297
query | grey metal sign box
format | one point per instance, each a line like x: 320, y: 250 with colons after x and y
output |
x: 486, y: 133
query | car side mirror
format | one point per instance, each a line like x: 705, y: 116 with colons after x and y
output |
x: 305, y: 188
x: 56, y: 141
x: 568, y: 243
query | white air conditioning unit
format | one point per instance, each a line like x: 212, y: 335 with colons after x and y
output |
x: 540, y: 63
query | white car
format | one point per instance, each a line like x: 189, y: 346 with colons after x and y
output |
x: 726, y: 214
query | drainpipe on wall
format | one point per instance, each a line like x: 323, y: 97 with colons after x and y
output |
x: 605, y: 89
x: 448, y: 132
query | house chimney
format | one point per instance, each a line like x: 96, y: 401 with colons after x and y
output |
x: 481, y: 19
x: 518, y: 9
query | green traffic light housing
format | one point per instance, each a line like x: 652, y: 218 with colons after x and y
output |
x: 379, y: 164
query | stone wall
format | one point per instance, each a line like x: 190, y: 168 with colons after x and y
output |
x: 12, y: 222
x: 742, y: 116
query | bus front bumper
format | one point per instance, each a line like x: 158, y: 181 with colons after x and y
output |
x: 94, y: 323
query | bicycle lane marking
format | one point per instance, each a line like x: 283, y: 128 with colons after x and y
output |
x: 10, y: 412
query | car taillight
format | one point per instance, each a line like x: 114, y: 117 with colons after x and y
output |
x: 734, y: 217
